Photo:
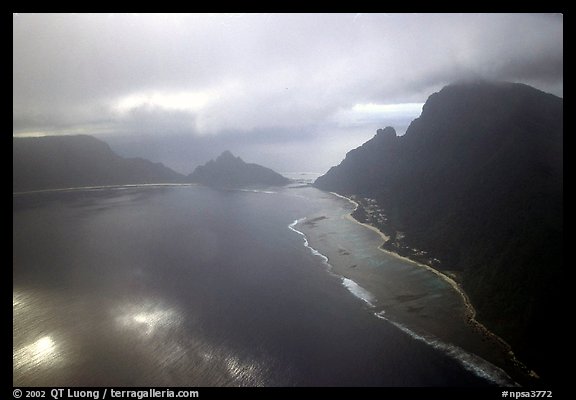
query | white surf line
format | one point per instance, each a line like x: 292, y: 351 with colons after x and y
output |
x: 306, y: 244
x: 470, y: 310
x: 358, y: 291
x: 256, y: 191
x: 354, y: 288
x: 470, y: 361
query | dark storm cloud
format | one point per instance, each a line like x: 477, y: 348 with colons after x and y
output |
x: 263, y: 78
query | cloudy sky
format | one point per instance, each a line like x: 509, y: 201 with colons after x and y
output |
x: 293, y: 92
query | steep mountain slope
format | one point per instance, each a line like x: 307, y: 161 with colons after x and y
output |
x: 476, y: 182
x: 71, y: 161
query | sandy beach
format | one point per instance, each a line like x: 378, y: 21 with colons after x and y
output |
x: 419, y: 299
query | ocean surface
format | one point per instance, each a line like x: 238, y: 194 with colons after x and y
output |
x: 193, y: 286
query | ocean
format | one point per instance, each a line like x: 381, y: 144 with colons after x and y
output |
x: 195, y: 286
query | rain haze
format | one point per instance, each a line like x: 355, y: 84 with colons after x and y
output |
x: 293, y: 92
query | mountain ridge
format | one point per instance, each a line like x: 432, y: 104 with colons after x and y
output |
x: 476, y: 183
x: 55, y: 162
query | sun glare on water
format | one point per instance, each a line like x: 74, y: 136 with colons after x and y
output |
x: 40, y: 353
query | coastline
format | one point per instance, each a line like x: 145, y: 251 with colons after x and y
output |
x: 474, y: 338
x: 469, y: 307
x: 103, y: 187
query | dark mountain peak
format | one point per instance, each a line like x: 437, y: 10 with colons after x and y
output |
x: 476, y: 183
x: 386, y: 133
x: 227, y: 157
x: 383, y: 144
x: 480, y: 85
x: 364, y: 165
x: 484, y: 95
x: 228, y: 170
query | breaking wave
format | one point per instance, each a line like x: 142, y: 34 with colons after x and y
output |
x: 349, y: 284
x: 471, y: 362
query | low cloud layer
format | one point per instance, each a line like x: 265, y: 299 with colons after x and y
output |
x: 270, y: 85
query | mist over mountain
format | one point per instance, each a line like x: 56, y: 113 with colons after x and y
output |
x: 70, y: 161
x: 476, y: 184
x: 230, y: 171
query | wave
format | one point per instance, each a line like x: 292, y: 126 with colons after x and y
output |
x: 257, y: 191
x: 358, y: 291
x: 349, y: 284
x: 471, y: 362
x: 306, y: 244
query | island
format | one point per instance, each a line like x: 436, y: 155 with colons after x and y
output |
x: 228, y: 170
x: 474, y: 190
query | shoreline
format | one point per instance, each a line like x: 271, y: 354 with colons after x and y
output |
x: 102, y: 187
x: 469, y: 316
